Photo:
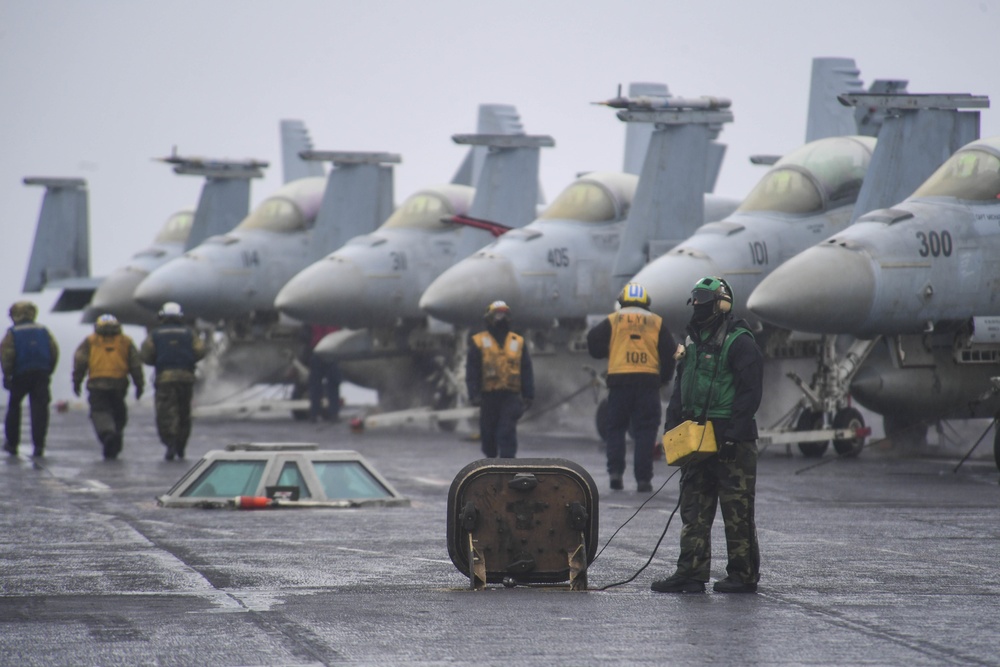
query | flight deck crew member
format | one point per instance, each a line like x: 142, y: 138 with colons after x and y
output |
x: 28, y: 355
x: 107, y: 358
x: 719, y: 378
x: 639, y: 350
x: 499, y: 377
x: 173, y: 349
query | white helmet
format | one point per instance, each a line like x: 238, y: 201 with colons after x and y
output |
x: 171, y: 309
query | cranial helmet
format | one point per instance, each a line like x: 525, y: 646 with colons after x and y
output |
x: 107, y: 324
x: 713, y: 289
x: 171, y: 310
x: 634, y: 294
x: 497, y: 310
x: 23, y: 311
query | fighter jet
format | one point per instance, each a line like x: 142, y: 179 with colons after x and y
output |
x: 562, y: 267
x: 224, y: 201
x: 373, y: 283
x: 923, y: 275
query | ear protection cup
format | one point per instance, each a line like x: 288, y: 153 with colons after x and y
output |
x: 723, y: 306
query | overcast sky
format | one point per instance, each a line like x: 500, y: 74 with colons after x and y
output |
x: 96, y: 88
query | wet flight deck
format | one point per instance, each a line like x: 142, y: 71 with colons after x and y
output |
x: 876, y: 560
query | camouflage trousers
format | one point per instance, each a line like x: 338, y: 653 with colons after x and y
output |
x: 109, y: 414
x: 173, y: 414
x: 727, y: 479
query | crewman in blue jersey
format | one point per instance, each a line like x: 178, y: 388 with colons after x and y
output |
x: 173, y: 349
x: 29, y: 355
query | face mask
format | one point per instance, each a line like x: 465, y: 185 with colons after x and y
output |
x: 703, y: 312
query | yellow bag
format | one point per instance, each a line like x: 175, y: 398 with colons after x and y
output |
x: 690, y: 441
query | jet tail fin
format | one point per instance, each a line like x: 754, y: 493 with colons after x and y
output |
x: 61, y: 249
x: 918, y: 133
x: 669, y: 201
x: 507, y: 189
x: 295, y: 140
x: 357, y: 199
x: 492, y: 119
x: 225, y: 196
x: 827, y: 117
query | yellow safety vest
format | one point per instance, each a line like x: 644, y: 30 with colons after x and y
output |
x: 635, y: 335
x: 501, y: 366
x: 108, y: 356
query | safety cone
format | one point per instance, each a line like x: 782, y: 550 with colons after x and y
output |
x: 253, y: 502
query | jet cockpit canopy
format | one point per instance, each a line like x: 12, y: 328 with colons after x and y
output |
x: 819, y: 176
x: 426, y: 209
x: 596, y: 197
x: 971, y: 174
x: 292, y: 208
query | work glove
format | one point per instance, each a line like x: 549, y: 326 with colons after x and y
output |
x: 76, y: 389
x: 727, y: 449
x: 138, y: 392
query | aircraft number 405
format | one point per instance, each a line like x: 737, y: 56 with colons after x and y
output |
x: 559, y: 257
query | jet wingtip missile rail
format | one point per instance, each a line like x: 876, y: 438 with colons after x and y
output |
x: 502, y: 141
x: 55, y: 182
x: 908, y: 101
x: 351, y: 157
x: 211, y: 168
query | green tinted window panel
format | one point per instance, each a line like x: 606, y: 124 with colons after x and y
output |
x: 228, y: 479
x: 345, y: 480
x: 292, y: 476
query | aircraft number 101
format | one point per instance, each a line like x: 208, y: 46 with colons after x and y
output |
x: 758, y: 252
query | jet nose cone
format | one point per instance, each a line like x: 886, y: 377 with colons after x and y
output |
x: 182, y: 280
x: 331, y: 291
x: 461, y: 294
x: 669, y: 280
x: 116, y: 295
x: 825, y: 289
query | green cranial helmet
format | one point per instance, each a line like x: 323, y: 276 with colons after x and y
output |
x: 713, y: 289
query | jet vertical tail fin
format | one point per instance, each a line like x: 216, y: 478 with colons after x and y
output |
x: 225, y: 196
x: 918, y: 133
x: 507, y: 189
x: 357, y: 199
x: 61, y: 249
x: 827, y: 117
x: 492, y: 119
x: 294, y: 141
x: 637, y: 135
x: 669, y: 202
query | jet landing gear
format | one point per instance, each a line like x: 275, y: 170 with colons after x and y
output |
x: 847, y: 423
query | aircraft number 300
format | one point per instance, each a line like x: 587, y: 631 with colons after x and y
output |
x: 935, y: 244
x: 559, y: 257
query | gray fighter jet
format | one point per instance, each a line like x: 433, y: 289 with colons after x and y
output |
x: 567, y: 264
x: 794, y: 206
x: 924, y: 276
x: 63, y: 230
x: 373, y: 283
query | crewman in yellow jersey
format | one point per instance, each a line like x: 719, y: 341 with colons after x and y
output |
x: 640, y: 354
x: 500, y: 380
x: 107, y: 358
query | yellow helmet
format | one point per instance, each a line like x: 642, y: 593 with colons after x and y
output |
x: 496, y: 310
x: 634, y: 294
